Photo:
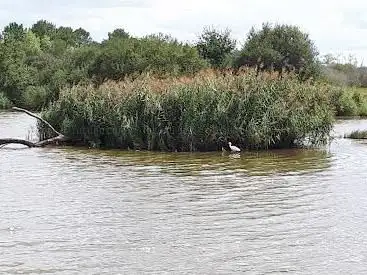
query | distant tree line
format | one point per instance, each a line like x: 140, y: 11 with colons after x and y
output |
x: 344, y: 71
x: 37, y: 62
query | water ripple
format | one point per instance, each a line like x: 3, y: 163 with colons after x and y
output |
x: 67, y: 211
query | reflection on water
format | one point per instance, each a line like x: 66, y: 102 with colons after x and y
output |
x: 69, y: 211
x: 217, y: 163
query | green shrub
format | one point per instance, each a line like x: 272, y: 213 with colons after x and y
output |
x: 347, y: 105
x: 349, y: 102
x: 157, y: 54
x: 363, y: 109
x: 361, y: 101
x: 35, y: 97
x: 5, y: 103
x: 357, y: 135
x: 201, y: 113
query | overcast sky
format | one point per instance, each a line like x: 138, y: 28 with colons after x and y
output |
x: 338, y: 27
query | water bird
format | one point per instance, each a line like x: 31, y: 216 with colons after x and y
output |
x: 233, y: 148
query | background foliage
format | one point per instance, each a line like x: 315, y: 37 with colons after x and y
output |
x: 36, y: 63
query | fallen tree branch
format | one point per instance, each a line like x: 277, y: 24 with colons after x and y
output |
x: 55, y: 140
x: 5, y: 141
x: 39, y: 118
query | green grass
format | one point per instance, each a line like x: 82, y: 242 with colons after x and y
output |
x: 357, y: 135
x: 201, y: 113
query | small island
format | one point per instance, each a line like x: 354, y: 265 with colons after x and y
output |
x: 157, y: 93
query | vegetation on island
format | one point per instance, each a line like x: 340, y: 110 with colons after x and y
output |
x: 200, y: 113
x: 158, y: 93
x: 358, y: 134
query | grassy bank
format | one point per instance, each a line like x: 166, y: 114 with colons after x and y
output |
x: 201, y: 113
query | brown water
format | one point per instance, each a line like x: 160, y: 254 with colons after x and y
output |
x: 67, y: 211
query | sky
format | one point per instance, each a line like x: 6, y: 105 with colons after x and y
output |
x: 336, y: 27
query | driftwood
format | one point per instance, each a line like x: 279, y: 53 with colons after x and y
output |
x: 55, y: 140
x: 5, y: 141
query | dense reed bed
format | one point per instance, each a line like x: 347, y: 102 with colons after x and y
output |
x: 201, y: 113
x: 357, y: 135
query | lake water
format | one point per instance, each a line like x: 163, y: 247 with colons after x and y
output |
x: 78, y: 211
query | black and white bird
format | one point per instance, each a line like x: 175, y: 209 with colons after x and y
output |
x: 233, y: 148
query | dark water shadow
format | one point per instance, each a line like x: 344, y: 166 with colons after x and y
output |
x: 250, y: 163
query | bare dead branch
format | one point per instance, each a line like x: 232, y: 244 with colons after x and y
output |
x: 6, y: 141
x: 39, y: 118
x: 55, y: 140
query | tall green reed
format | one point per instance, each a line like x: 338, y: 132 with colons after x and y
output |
x: 201, y: 113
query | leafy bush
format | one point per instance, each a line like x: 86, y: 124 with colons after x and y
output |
x: 157, y: 54
x: 346, y: 105
x: 349, y: 102
x: 35, y: 97
x: 201, y: 113
x: 5, y: 103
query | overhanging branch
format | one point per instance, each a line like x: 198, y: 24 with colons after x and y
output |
x: 55, y: 140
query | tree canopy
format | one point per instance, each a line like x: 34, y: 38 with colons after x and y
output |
x: 279, y: 48
x: 37, y: 62
x: 118, y: 33
x: 215, y: 46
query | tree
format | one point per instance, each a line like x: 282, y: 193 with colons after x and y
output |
x: 32, y: 44
x: 215, y: 46
x: 78, y: 63
x: 116, y: 60
x: 65, y: 34
x: 13, y: 31
x: 161, y: 37
x: 280, y: 48
x: 42, y: 28
x: 119, y: 58
x: 329, y: 59
x: 118, y: 33
x: 16, y: 74
x: 46, y: 43
x: 343, y: 70
x: 82, y: 37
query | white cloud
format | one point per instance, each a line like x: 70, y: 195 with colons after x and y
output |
x: 335, y: 26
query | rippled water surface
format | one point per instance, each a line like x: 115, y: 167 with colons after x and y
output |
x: 74, y: 211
